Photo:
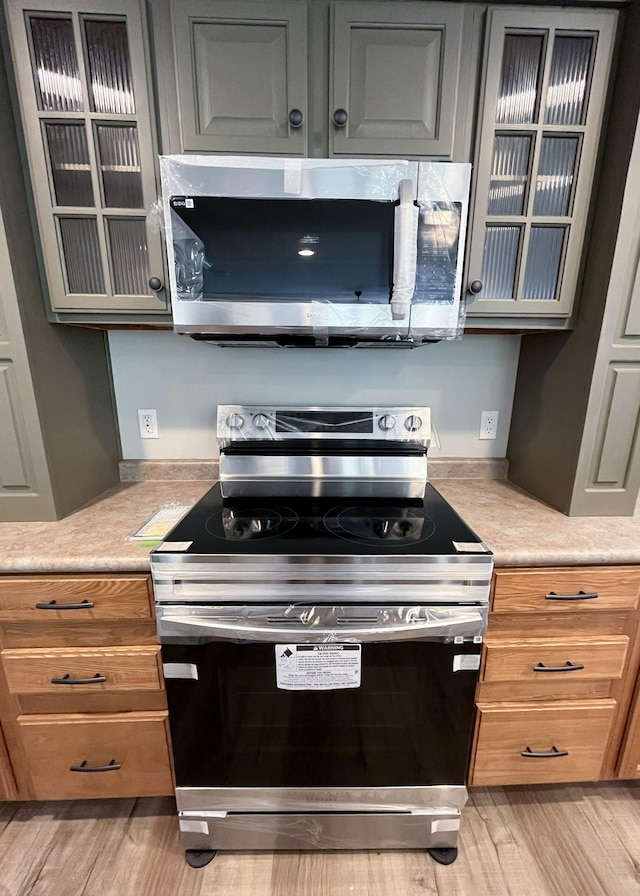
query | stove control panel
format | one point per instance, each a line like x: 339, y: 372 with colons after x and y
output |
x: 240, y: 422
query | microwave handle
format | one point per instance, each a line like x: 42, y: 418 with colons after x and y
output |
x: 405, y: 246
x: 469, y: 624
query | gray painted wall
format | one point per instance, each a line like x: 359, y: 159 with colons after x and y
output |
x: 185, y: 381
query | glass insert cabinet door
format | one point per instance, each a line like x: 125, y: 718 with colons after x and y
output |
x: 546, y: 81
x: 85, y: 108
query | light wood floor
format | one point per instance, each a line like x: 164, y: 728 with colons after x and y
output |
x: 553, y: 841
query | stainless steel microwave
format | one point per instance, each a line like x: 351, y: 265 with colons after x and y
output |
x: 315, y: 252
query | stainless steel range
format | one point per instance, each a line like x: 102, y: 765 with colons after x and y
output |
x: 321, y: 612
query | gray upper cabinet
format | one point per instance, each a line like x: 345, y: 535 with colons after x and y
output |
x: 58, y: 439
x: 242, y: 76
x: 81, y: 72
x: 544, y: 95
x: 395, y: 78
x: 575, y: 430
x: 292, y: 78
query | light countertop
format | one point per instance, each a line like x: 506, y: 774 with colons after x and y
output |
x: 519, y: 529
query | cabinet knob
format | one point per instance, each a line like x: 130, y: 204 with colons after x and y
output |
x: 296, y: 118
x: 340, y: 118
x: 155, y: 283
x: 475, y: 287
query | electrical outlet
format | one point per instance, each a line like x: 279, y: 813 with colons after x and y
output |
x: 488, y: 425
x: 148, y: 423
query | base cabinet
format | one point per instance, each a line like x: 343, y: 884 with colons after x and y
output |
x: 81, y: 690
x: 629, y: 765
x: 8, y: 790
x: 556, y: 680
x: 542, y: 744
x: 85, y: 756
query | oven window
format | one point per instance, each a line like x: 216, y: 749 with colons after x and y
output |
x: 409, y: 724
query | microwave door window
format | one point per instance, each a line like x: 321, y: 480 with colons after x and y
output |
x: 336, y: 250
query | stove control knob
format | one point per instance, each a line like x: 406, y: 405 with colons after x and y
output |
x: 387, y: 422
x: 261, y: 421
x: 413, y: 423
x: 235, y: 421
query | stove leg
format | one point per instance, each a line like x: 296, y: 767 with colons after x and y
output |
x: 444, y: 855
x: 198, y: 858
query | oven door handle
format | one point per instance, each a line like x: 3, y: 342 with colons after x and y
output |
x: 468, y: 624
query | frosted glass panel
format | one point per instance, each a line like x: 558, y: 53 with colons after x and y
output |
x: 109, y: 68
x: 120, y: 166
x: 81, y: 255
x: 543, y: 262
x: 69, y: 160
x: 521, y: 67
x: 556, y: 172
x: 567, y: 92
x: 128, y: 239
x: 509, y: 174
x: 55, y: 65
x: 499, y: 263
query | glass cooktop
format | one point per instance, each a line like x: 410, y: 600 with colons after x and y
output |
x: 306, y: 526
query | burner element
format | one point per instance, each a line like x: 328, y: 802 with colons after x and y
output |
x: 382, y: 525
x: 239, y: 524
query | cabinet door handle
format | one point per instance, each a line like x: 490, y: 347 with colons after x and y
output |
x: 66, y: 679
x: 581, y: 595
x: 340, y: 118
x: 54, y: 605
x: 83, y: 767
x: 568, y: 667
x: 532, y: 754
x: 296, y: 118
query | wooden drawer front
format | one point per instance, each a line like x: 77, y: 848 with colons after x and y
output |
x: 616, y: 587
x: 87, y: 634
x: 53, y: 671
x: 541, y: 660
x: 505, y: 731
x: 136, y: 741
x: 61, y: 600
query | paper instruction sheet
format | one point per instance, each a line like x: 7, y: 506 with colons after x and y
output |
x: 318, y: 667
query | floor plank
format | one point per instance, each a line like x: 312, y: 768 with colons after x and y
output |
x: 518, y: 841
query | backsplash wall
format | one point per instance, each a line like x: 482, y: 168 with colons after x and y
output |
x: 184, y: 381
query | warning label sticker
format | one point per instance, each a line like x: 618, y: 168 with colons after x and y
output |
x: 318, y: 667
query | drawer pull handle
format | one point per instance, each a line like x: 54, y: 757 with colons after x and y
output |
x: 66, y: 679
x: 581, y: 595
x: 568, y: 667
x: 54, y: 605
x: 83, y: 767
x: 532, y: 754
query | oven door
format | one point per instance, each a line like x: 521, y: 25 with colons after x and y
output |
x: 242, y: 725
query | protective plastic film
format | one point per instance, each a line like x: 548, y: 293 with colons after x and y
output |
x: 263, y: 177
x: 266, y: 247
x: 322, y: 624
x: 438, y: 310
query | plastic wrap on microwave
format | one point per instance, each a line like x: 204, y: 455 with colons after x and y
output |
x: 361, y: 270
x: 264, y: 177
x: 438, y: 309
